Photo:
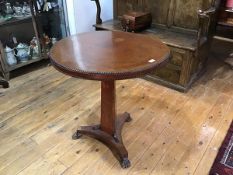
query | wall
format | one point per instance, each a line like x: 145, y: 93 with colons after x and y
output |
x: 82, y: 14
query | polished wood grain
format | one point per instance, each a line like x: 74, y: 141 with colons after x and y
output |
x: 108, y: 99
x: 107, y: 55
x: 184, y: 131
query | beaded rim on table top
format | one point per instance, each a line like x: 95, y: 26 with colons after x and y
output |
x: 110, y: 75
x: 92, y: 75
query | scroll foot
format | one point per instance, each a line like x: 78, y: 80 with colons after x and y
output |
x: 113, y: 142
x: 76, y: 135
x: 125, y: 163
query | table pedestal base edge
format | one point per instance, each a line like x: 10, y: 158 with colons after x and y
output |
x: 114, y: 143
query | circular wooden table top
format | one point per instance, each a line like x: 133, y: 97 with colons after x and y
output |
x: 108, y: 55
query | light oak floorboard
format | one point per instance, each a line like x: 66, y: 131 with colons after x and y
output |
x: 171, y: 132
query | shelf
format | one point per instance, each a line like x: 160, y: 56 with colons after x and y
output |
x: 15, y: 21
x: 24, y: 64
x: 223, y: 38
x: 230, y: 10
x: 226, y: 9
x: 227, y: 24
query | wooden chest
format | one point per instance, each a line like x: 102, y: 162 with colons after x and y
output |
x: 136, y: 21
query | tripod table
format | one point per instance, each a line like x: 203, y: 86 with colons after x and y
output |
x: 107, y: 56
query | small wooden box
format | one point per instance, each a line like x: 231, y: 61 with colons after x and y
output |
x: 136, y: 21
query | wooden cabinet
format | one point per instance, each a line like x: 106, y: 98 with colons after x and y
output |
x: 225, y: 21
x: 37, y: 25
x: 226, y: 14
x: 23, y: 29
x: 179, y: 24
x: 224, y: 33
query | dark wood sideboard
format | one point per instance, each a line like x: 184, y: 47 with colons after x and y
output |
x: 186, y: 26
x: 224, y: 35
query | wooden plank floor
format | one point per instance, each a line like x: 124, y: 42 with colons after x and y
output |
x: 171, y: 132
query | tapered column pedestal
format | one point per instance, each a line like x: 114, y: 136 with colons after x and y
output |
x: 109, y: 130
